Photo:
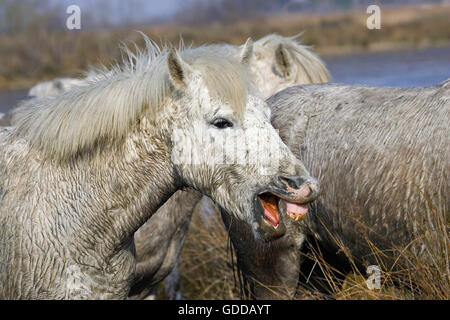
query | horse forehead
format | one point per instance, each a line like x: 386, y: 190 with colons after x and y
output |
x: 256, y: 115
x: 261, y: 64
x: 256, y: 104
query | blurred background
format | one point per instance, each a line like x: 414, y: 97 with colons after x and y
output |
x: 412, y: 48
x: 35, y: 43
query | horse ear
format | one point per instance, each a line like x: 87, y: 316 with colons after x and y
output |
x: 283, y: 61
x: 247, y: 52
x: 178, y: 70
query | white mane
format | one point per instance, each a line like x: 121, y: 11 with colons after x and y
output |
x: 104, y: 109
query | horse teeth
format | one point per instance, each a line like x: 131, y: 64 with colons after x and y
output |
x: 296, y: 217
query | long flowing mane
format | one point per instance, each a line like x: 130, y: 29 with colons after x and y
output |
x: 311, y: 68
x: 104, y: 109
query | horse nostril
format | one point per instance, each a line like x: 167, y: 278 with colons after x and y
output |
x: 295, y: 182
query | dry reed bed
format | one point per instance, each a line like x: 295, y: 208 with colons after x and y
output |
x: 207, y: 272
x: 36, y: 55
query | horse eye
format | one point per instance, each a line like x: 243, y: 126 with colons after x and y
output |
x: 222, y: 123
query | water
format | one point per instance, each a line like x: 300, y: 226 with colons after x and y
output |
x: 402, y: 69
x: 10, y: 98
x: 398, y: 69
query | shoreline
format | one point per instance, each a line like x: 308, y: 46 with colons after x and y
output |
x: 386, y: 47
x: 325, y: 53
x: 31, y: 56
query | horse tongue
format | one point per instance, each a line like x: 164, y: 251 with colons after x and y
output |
x: 270, y: 210
x: 296, y: 209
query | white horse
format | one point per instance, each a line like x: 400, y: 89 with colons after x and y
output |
x: 53, y: 87
x: 278, y: 62
x: 282, y: 62
x: 382, y: 157
x: 82, y: 171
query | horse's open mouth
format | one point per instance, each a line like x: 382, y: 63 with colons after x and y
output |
x: 274, y: 206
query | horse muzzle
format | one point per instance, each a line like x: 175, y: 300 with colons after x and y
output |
x: 289, y: 196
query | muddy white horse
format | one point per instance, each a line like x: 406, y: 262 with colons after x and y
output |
x: 278, y: 62
x: 53, y: 87
x: 382, y: 158
x: 82, y: 171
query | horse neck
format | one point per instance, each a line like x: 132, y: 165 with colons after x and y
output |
x: 134, y: 183
x: 148, y: 175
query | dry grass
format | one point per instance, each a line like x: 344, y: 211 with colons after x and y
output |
x: 205, y: 264
x: 410, y: 273
x: 36, y: 55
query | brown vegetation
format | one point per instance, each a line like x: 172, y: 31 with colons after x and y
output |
x: 205, y: 265
x: 36, y: 54
x: 207, y: 271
